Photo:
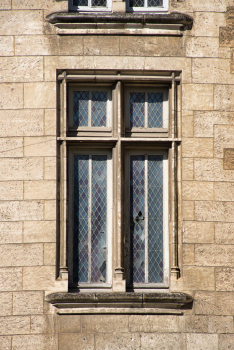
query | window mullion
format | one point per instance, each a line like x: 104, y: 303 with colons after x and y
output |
x: 146, y: 218
x: 90, y: 107
x: 146, y: 110
x: 90, y: 217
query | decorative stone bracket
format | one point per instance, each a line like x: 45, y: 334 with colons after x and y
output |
x: 120, y: 23
x: 119, y: 303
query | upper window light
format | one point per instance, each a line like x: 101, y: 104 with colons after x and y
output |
x: 147, y: 5
x: 90, y: 5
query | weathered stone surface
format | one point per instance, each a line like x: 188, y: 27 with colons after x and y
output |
x: 50, y: 169
x: 187, y: 169
x: 21, y: 169
x: 5, y: 5
x: 21, y: 22
x: 6, y: 44
x: 224, y: 279
x: 210, y: 6
x: 220, y: 324
x: 76, y: 341
x: 201, y: 278
x: 11, y: 190
x: 69, y: 323
x: 50, y: 210
x: 11, y: 147
x: 40, y: 189
x: 104, y: 323
x: 211, y: 71
x: 196, y: 190
x: 101, y: 45
x: 48, y: 45
x: 214, y: 211
x: 224, y: 233
x: 115, y: 341
x: 163, y: 341
x: 42, y: 324
x: 39, y: 231
x: 224, y: 97
x: 5, y: 304
x: 188, y: 254
x: 5, y: 343
x: 10, y: 279
x: 223, y: 138
x: 202, y: 47
x: 21, y: 69
x: 214, y: 255
x: 202, y: 341
x: 228, y: 158
x: 22, y: 122
x: 49, y: 253
x: 204, y: 122
x: 51, y: 5
x: 153, y: 323
x: 38, y: 277
x: 197, y: 147
x: 188, y: 210
x: 11, y: 95
x: 34, y: 342
x: 198, y: 97
x: 21, y: 254
x: 50, y: 122
x: 21, y: 210
x: 207, y: 23
x: 26, y: 303
x: 11, y: 232
x: 226, y: 37
x: 187, y: 124
x: 198, y: 232
x: 39, y: 95
x: 211, y: 170
x: 194, y: 324
x: 15, y: 325
x: 226, y: 341
x: 205, y: 303
x: 224, y: 191
x: 40, y: 146
x: 225, y: 303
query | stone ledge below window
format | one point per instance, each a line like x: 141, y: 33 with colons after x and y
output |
x: 119, y: 303
x: 120, y: 23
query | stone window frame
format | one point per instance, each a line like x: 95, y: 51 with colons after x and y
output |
x: 172, y: 142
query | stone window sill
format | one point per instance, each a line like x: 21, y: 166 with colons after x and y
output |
x: 120, y: 23
x: 119, y: 303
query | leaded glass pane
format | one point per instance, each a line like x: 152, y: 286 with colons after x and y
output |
x: 137, y: 109
x: 98, y: 3
x: 81, y: 214
x: 80, y: 2
x: 155, y: 110
x: 99, y: 108
x: 80, y: 108
x: 155, y: 219
x: 99, y: 219
x: 155, y: 3
x: 137, y: 213
x: 136, y: 3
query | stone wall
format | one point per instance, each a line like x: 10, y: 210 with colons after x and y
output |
x: 31, y: 51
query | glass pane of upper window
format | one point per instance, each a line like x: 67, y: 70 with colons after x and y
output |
x: 147, y: 5
x: 90, y: 219
x: 90, y: 5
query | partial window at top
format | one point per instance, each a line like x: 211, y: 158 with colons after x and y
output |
x: 147, y: 5
x: 90, y: 5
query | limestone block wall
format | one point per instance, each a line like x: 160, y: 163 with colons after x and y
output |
x: 31, y: 51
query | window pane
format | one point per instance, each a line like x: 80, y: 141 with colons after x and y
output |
x: 99, y: 218
x: 80, y: 2
x: 155, y: 110
x: 137, y: 213
x: 155, y: 219
x: 137, y: 109
x: 155, y: 3
x: 136, y: 3
x: 80, y: 108
x: 81, y: 216
x: 99, y: 3
x: 99, y: 108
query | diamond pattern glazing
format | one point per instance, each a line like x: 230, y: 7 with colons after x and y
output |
x: 81, y: 216
x: 155, y: 110
x: 155, y: 3
x: 99, y: 219
x: 80, y: 2
x: 155, y: 219
x: 136, y: 3
x: 98, y: 3
x: 99, y: 108
x: 80, y: 108
x: 137, y: 223
x: 137, y: 109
